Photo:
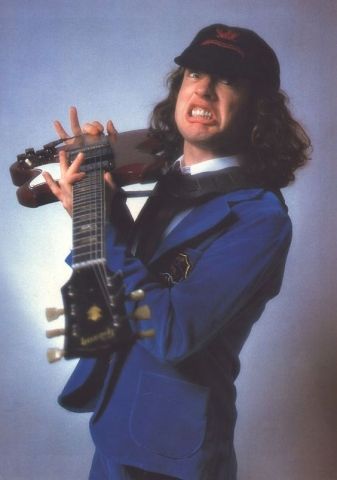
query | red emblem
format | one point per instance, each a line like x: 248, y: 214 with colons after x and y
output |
x: 225, y: 39
x: 223, y: 34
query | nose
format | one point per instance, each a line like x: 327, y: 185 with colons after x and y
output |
x: 205, y: 87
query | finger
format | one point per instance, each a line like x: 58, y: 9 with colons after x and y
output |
x: 109, y: 181
x: 99, y: 126
x: 60, y: 130
x: 71, y: 173
x: 64, y: 165
x: 54, y: 186
x: 75, y: 177
x: 74, y: 123
x: 94, y: 128
x: 76, y: 164
x: 112, y: 132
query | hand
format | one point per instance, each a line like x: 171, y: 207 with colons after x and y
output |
x: 70, y: 174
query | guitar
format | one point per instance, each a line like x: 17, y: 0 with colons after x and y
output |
x: 93, y: 298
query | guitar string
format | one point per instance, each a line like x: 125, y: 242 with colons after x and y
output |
x: 102, y: 233
x: 101, y: 271
x: 97, y: 181
x: 93, y: 246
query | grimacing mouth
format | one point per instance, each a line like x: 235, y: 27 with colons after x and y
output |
x: 199, y: 111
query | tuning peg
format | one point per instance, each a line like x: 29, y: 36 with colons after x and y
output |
x: 53, y: 313
x: 137, y: 295
x: 54, y: 354
x: 146, y: 333
x: 55, y: 333
x: 142, y: 313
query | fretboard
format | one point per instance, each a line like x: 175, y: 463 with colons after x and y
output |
x: 89, y: 213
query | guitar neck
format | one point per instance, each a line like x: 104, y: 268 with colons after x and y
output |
x: 89, y: 213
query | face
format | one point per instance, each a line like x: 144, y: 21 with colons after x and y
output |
x: 212, y: 114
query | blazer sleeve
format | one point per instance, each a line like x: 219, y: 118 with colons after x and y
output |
x: 249, y: 252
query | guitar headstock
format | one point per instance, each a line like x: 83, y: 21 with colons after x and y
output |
x: 95, y: 317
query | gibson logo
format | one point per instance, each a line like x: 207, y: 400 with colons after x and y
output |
x: 94, y: 313
x: 109, y: 333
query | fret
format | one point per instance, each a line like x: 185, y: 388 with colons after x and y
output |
x: 85, y: 257
x: 81, y: 257
x: 85, y: 227
x: 88, y: 222
x: 78, y: 264
x: 84, y: 199
x: 93, y: 244
x: 87, y: 188
x: 85, y: 252
x: 94, y: 240
x: 87, y: 233
x: 86, y: 185
x: 88, y: 218
x: 90, y: 252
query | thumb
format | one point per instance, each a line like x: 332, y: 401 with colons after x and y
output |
x: 112, y: 132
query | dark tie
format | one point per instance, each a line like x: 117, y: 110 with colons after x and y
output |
x: 158, y: 212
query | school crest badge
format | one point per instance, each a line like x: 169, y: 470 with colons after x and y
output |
x: 178, y: 269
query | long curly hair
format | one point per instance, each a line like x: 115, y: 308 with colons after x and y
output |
x: 277, y: 146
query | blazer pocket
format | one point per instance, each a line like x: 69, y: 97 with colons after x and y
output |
x: 169, y: 416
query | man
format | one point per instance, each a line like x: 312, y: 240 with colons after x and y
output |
x: 169, y: 411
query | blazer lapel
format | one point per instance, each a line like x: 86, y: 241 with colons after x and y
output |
x: 202, y: 218
x: 199, y: 220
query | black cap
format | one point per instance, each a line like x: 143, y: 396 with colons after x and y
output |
x: 232, y: 52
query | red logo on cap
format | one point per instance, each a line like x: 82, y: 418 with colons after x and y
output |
x: 224, y: 39
x: 227, y: 34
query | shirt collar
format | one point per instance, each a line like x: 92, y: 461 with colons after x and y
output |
x: 211, y: 165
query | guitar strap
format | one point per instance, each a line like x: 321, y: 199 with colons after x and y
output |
x: 211, y: 183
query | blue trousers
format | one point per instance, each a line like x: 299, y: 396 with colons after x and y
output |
x: 104, y: 469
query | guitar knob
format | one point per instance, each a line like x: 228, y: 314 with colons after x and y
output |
x: 54, y: 354
x: 55, y: 333
x: 53, y: 313
x: 142, y: 313
x: 137, y: 295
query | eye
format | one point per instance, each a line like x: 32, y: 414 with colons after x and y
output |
x: 192, y: 74
x: 225, y: 81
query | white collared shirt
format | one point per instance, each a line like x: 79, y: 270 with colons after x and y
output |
x: 211, y: 165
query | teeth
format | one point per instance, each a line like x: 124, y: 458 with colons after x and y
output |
x: 200, y: 112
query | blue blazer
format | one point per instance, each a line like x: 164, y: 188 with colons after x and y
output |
x: 168, y: 404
